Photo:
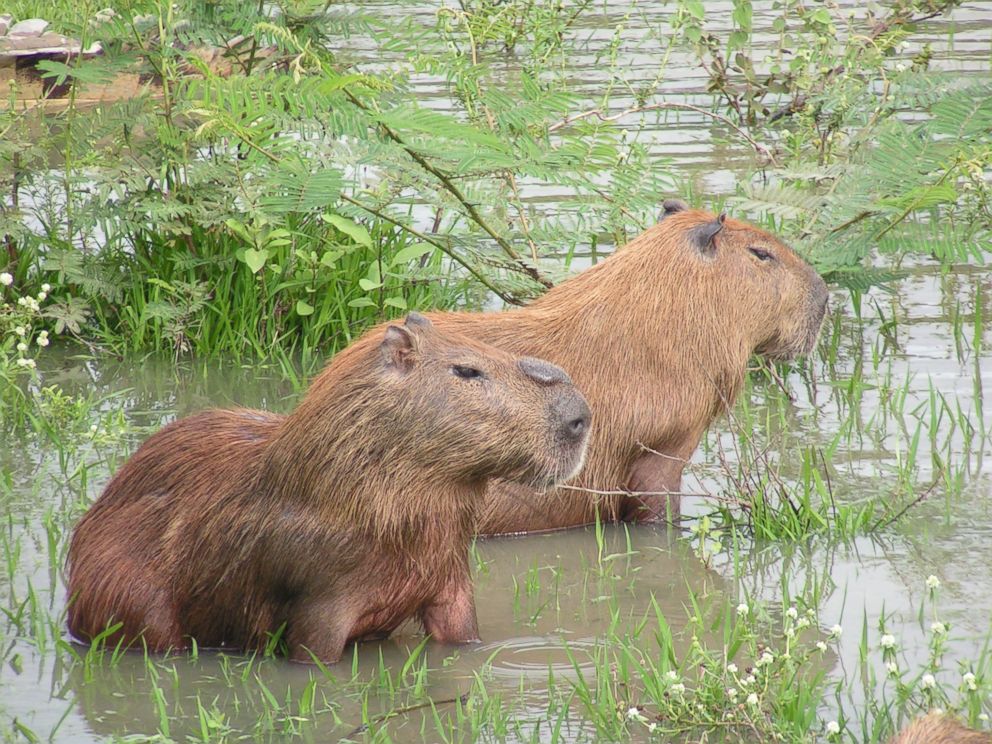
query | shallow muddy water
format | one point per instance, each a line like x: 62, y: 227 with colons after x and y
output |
x: 894, y: 397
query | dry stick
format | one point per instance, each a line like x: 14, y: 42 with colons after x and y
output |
x: 463, y: 698
x: 452, y: 189
x: 758, y: 147
x: 883, y: 524
x: 439, y: 244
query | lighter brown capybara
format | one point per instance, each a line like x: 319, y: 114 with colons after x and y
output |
x: 657, y: 337
x: 939, y: 728
x: 334, y: 523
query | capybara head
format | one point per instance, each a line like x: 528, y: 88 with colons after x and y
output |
x: 484, y: 411
x: 772, y: 294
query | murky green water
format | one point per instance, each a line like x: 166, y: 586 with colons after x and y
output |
x: 895, y: 397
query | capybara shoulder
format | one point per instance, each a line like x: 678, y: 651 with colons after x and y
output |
x: 334, y: 523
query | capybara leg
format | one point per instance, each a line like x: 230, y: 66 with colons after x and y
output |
x: 658, y: 480
x: 319, y: 630
x: 450, y: 617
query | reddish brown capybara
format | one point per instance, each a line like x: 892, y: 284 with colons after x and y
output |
x: 657, y: 337
x: 334, y: 523
x: 939, y: 728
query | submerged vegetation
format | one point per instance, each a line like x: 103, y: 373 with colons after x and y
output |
x: 261, y: 182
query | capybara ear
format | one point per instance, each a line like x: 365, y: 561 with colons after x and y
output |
x: 702, y: 235
x: 671, y: 206
x: 417, y: 321
x: 397, y: 348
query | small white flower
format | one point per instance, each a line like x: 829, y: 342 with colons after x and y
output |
x: 29, y: 363
x: 833, y: 727
x: 748, y: 680
x: 969, y: 681
x: 821, y: 646
x: 22, y: 301
x: 900, y: 67
x: 887, y: 641
x: 743, y: 609
x: 904, y: 45
x: 6, y: 279
x: 633, y: 714
x: 938, y: 628
x: 732, y: 693
x: 22, y: 347
x: 732, y: 668
x: 46, y: 287
x: 752, y: 699
x: 652, y: 727
x: 766, y: 658
x: 937, y: 711
x: 927, y: 681
x: 892, y: 668
x: 932, y: 582
x: 20, y: 330
x: 43, y: 341
x: 672, y: 675
x: 835, y: 631
x: 983, y: 717
x: 803, y: 623
x: 790, y: 632
x: 792, y: 612
x: 93, y: 428
x: 678, y: 688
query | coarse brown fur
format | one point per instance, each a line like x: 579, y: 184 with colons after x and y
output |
x: 334, y: 523
x: 939, y: 728
x: 657, y: 337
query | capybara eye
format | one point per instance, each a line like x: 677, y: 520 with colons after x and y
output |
x: 467, y: 373
x: 761, y: 253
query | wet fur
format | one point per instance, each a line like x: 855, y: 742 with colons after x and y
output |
x: 939, y: 729
x: 658, y: 337
x: 334, y: 523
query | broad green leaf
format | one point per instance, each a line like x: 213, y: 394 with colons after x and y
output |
x: 361, y: 302
x: 255, y: 259
x: 330, y: 258
x: 695, y: 9
x: 352, y: 229
x: 397, y: 302
x: 368, y: 285
x: 303, y: 308
x: 411, y: 252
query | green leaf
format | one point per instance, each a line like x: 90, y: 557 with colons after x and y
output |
x: 368, y: 285
x: 330, y: 258
x: 304, y: 308
x: 255, y: 259
x: 695, y: 9
x: 397, y: 302
x: 821, y: 15
x: 361, y: 302
x: 352, y: 229
x: 410, y: 253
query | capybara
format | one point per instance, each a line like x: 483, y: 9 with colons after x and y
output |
x: 657, y: 337
x: 939, y: 728
x: 334, y: 523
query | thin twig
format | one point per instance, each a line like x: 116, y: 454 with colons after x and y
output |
x: 664, y: 105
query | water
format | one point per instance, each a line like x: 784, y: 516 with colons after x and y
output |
x: 917, y: 360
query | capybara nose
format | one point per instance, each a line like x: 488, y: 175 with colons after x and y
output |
x: 543, y: 372
x: 577, y: 427
x: 575, y: 419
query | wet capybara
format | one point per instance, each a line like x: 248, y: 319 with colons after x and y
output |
x: 658, y: 338
x: 939, y: 728
x: 334, y: 523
